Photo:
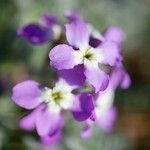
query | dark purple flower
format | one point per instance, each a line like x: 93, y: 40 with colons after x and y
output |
x: 35, y: 33
x: 46, y: 30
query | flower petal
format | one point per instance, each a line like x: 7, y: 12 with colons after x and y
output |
x: 50, y: 140
x: 62, y: 57
x: 84, y: 111
x: 26, y: 94
x: 107, y: 119
x: 114, y: 34
x: 77, y: 34
x: 120, y: 77
x: 35, y: 33
x: 97, y: 78
x: 74, y: 77
x: 126, y: 81
x: 48, y: 123
x: 111, y: 52
x: 28, y: 122
x: 86, y: 131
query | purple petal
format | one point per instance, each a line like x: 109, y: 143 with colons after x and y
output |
x: 86, y: 131
x: 94, y: 42
x: 28, y: 122
x: 62, y: 57
x: 26, y: 94
x: 72, y: 16
x: 48, y: 20
x: 35, y: 33
x: 126, y: 81
x: 74, y: 77
x: 48, y: 123
x: 50, y: 140
x: 111, y: 52
x: 107, y: 120
x: 86, y: 107
x: 97, y: 78
x: 120, y: 77
x: 77, y: 33
x: 114, y: 34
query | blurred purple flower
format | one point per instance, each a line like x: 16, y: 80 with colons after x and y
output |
x: 105, y: 112
x: 35, y: 33
x: 48, y: 103
x: 39, y: 33
x: 66, y: 57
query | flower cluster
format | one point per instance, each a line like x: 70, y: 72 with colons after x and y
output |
x: 89, y: 68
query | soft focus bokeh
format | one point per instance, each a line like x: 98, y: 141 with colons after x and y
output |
x: 20, y: 60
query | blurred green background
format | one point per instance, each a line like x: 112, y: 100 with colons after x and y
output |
x: 20, y: 60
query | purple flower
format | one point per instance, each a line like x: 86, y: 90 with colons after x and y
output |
x: 35, y: 33
x: 64, y: 56
x: 40, y: 33
x: 48, y: 104
x: 105, y: 112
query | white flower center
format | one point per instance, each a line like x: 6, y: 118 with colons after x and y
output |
x: 90, y: 57
x: 60, y: 97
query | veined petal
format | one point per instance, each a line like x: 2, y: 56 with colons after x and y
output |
x: 26, y: 94
x: 35, y: 33
x: 47, y: 122
x: 97, y: 78
x: 74, y: 77
x: 77, y: 34
x: 85, y: 108
x: 62, y: 57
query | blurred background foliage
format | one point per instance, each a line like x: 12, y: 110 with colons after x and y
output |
x: 20, y: 60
